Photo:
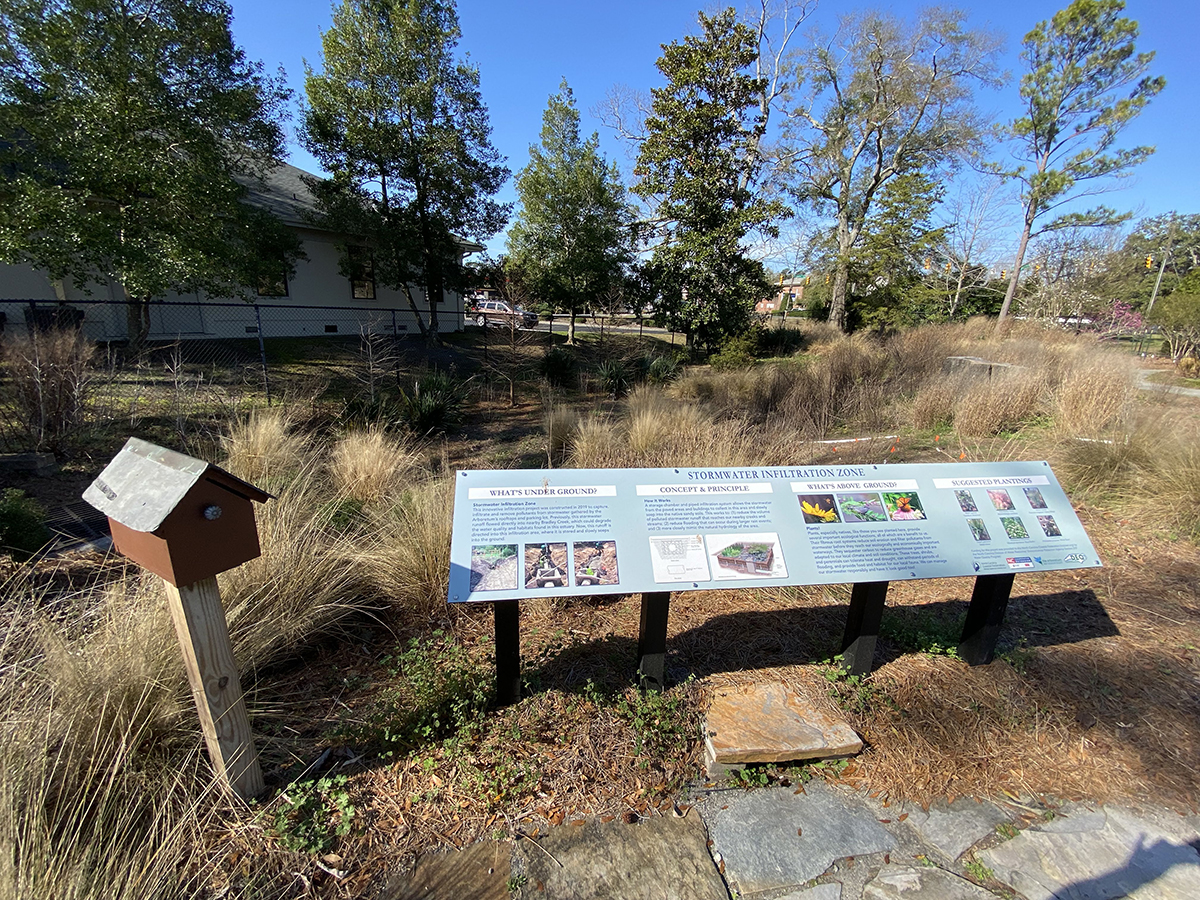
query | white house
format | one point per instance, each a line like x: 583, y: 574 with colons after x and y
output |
x: 316, y: 300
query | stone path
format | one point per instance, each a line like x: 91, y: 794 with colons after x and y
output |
x: 827, y: 842
x: 1146, y: 384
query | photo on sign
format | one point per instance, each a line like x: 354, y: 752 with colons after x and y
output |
x: 1000, y: 499
x: 1049, y: 526
x: 1035, y: 498
x: 965, y: 501
x: 860, y: 507
x: 738, y: 556
x: 494, y: 567
x: 596, y: 563
x: 678, y: 558
x: 546, y: 565
x: 818, y: 509
x: 1014, y: 527
x: 903, y: 507
x: 979, y: 530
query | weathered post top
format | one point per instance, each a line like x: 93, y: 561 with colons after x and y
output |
x: 180, y: 517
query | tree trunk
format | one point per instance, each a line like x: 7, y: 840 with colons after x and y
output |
x: 1016, y: 275
x: 571, y: 329
x: 137, y: 319
x: 837, y: 299
x: 412, y: 305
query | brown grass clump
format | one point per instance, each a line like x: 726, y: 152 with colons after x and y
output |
x: 406, y: 558
x: 1094, y: 394
x: 369, y: 466
x: 596, y: 444
x: 1000, y: 403
x: 933, y: 407
x: 263, y: 446
x: 306, y: 580
x: 101, y: 792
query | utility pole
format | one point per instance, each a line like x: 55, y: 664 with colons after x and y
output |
x: 1162, y: 265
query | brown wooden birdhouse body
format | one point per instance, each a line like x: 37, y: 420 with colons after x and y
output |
x: 178, y: 516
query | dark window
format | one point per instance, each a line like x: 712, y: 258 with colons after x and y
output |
x: 273, y: 283
x: 362, y: 274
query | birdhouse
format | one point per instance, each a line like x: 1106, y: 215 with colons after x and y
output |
x: 178, y: 516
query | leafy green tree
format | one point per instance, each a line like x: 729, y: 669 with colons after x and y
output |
x: 884, y: 98
x: 401, y: 126
x: 1178, y: 317
x: 1154, y: 257
x: 574, y: 232
x: 1085, y: 83
x: 131, y: 130
x: 897, y: 251
x: 696, y: 168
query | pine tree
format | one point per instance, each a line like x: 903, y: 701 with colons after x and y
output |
x: 1081, y: 63
x: 574, y: 232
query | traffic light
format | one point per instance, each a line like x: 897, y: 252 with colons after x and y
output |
x: 1149, y: 260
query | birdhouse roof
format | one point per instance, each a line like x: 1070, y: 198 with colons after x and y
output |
x: 144, y: 483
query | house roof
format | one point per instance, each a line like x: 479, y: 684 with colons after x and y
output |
x: 284, y: 192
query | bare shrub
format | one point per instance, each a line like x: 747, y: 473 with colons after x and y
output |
x: 918, y: 355
x: 406, y: 561
x: 369, y: 466
x: 998, y: 404
x: 49, y: 378
x: 263, y: 447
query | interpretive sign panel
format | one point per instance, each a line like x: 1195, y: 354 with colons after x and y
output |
x: 533, y: 533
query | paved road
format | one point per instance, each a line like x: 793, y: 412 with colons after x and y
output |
x: 1146, y: 384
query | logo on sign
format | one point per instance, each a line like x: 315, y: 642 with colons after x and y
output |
x: 1075, y: 557
x: 1019, y: 562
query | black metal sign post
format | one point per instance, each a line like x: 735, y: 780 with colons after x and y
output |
x: 508, y: 651
x: 862, y: 626
x: 985, y: 616
x: 652, y: 641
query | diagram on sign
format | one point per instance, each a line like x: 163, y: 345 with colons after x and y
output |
x: 737, y: 556
x: 678, y: 558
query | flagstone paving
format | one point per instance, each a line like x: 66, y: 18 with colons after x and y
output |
x: 827, y: 842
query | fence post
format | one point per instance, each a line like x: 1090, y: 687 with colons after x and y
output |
x: 262, y: 354
x: 395, y: 349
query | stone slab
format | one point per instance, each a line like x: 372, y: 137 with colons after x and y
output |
x: 768, y: 723
x: 778, y: 838
x: 477, y: 872
x: 663, y: 858
x: 921, y: 883
x: 828, y: 891
x: 952, y: 829
x: 1102, y: 853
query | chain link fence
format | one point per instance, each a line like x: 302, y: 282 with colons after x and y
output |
x: 196, y: 358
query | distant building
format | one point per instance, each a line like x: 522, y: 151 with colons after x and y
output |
x: 789, y: 295
x: 320, y: 298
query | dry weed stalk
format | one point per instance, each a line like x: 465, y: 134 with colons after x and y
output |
x: 49, y: 380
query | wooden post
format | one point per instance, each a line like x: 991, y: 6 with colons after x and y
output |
x: 985, y: 615
x: 508, y: 651
x: 208, y: 655
x: 862, y: 626
x: 652, y: 641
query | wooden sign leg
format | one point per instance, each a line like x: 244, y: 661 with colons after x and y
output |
x: 652, y: 641
x: 862, y: 626
x: 508, y: 651
x: 985, y: 615
x: 208, y: 656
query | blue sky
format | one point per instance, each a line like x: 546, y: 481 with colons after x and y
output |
x: 523, y: 48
